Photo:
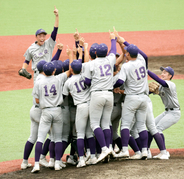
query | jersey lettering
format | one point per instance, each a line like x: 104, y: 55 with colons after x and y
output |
x: 140, y: 73
x: 81, y: 84
x: 107, y: 69
x: 52, y: 90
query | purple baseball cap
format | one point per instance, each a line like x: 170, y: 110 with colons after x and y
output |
x: 76, y: 65
x: 40, y: 31
x: 48, y: 68
x: 59, y: 66
x: 66, y: 65
x: 40, y: 65
x: 92, y: 50
x: 168, y: 69
x: 132, y: 49
x: 102, y: 50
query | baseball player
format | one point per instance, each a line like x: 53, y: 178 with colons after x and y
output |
x: 133, y: 75
x: 99, y: 73
x: 42, y: 49
x: 168, y: 94
x: 47, y: 94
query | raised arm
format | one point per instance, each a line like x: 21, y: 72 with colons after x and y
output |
x: 156, y: 78
x: 113, y: 42
x: 58, y: 53
x: 56, y: 24
x: 70, y: 56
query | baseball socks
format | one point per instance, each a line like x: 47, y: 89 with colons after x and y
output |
x: 144, y: 141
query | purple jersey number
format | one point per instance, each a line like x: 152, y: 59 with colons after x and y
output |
x: 142, y: 72
x: 107, y: 68
x: 52, y: 90
x: 81, y: 84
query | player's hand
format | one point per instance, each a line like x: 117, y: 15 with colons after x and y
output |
x: 60, y: 45
x: 76, y: 35
x: 115, y: 32
x: 74, y: 50
x: 85, y: 45
x: 68, y: 51
x: 117, y: 90
x: 55, y: 11
x: 79, y: 49
x: 81, y: 41
x: 112, y: 35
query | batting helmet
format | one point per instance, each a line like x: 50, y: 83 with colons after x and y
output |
x: 66, y: 65
x: 102, y: 50
x: 76, y: 66
x: 92, y: 50
x: 40, y: 65
x: 48, y: 68
x: 59, y: 66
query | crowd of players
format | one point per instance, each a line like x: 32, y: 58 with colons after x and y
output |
x: 83, y: 100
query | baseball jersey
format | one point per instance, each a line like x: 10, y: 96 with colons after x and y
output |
x: 76, y: 87
x: 100, y: 71
x: 169, y: 95
x: 37, y: 53
x: 49, y: 90
x: 134, y: 75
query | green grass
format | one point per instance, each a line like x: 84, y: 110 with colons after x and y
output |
x: 20, y: 17
x: 15, y: 122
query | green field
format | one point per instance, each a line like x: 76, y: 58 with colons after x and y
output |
x: 20, y: 17
x: 15, y: 122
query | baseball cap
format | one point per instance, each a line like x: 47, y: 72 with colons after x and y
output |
x: 168, y: 69
x: 59, y: 66
x: 40, y: 31
x: 48, y: 68
x: 102, y: 50
x: 40, y: 65
x: 132, y: 49
x: 92, y: 50
x: 76, y: 65
x: 66, y: 65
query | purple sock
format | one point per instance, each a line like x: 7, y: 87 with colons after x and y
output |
x: 80, y: 147
x: 27, y: 150
x: 52, y: 149
x: 63, y: 148
x: 118, y: 142
x: 139, y: 143
x: 150, y: 138
x: 58, y: 146
x: 111, y: 135
x: 144, y: 138
x: 92, y: 144
x: 38, y: 151
x: 125, y: 134
x: 98, y: 148
x: 159, y: 141
x: 107, y: 135
x: 162, y: 135
x: 132, y: 143
x: 100, y: 137
x: 46, y: 147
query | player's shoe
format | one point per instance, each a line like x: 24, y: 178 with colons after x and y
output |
x: 107, y: 159
x: 57, y: 165
x: 168, y: 154
x: 44, y: 162
x: 51, y: 163
x: 36, y: 168
x: 81, y: 164
x: 62, y: 164
x: 71, y: 161
x: 144, y: 155
x: 136, y: 157
x: 149, y: 154
x: 25, y: 165
x: 116, y: 149
x: 161, y: 156
x: 88, y: 155
x: 104, y: 154
x: 92, y: 161
x: 123, y: 154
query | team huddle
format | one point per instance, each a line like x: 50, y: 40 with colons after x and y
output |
x: 83, y: 100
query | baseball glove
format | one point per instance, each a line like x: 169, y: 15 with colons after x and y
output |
x: 153, y: 87
x: 23, y: 72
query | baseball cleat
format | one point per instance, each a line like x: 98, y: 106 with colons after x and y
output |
x: 107, y: 159
x: 51, y: 163
x: 44, y: 162
x: 123, y: 154
x: 25, y: 165
x: 168, y: 154
x: 92, y: 161
x: 136, y: 157
x: 116, y: 149
x: 81, y: 164
x: 57, y: 165
x: 149, y: 154
x: 35, y: 169
x: 62, y: 164
x: 103, y: 155
x: 71, y: 161
x: 161, y: 156
x: 157, y: 156
x: 144, y: 155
